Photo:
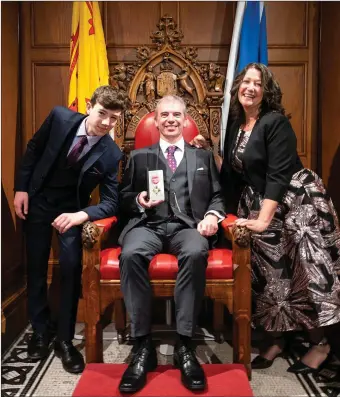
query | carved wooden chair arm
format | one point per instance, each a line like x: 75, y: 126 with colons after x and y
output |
x: 238, y: 234
x: 94, y: 233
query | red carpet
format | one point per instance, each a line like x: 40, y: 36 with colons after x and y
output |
x: 223, y: 380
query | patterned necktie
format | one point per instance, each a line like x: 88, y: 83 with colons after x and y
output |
x: 74, y: 154
x: 171, y: 157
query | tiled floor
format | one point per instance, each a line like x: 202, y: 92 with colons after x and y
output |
x: 21, y: 377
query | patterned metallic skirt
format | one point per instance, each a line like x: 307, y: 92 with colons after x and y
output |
x: 296, y: 261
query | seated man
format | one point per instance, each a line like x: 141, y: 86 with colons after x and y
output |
x: 181, y: 225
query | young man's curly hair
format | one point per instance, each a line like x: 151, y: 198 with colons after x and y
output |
x: 111, y: 98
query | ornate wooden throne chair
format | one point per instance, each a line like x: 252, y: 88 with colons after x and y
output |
x: 167, y: 69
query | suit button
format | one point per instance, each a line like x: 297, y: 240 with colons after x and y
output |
x: 42, y: 176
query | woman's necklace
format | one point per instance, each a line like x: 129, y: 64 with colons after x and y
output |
x: 249, y: 126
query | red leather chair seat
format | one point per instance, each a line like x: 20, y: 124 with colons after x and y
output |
x: 164, y: 266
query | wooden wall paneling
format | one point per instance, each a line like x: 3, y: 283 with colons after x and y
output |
x: 55, y: 76
x: 329, y: 98
x: 170, y: 8
x: 287, y: 24
x: 311, y: 92
x: 206, y: 23
x: 292, y: 80
x: 289, y: 53
x: 130, y: 23
x: 13, y: 293
x: 27, y: 87
x: 55, y: 30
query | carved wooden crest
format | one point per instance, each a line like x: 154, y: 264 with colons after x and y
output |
x: 169, y: 69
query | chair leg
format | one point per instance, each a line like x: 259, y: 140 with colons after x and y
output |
x: 242, y: 319
x: 94, y: 343
x: 120, y: 320
x: 241, y: 341
x: 218, y: 321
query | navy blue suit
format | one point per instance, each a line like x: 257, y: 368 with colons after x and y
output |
x: 53, y: 188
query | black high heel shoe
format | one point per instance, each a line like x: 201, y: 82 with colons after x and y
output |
x: 261, y: 362
x: 300, y: 368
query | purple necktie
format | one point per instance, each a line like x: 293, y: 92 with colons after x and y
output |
x: 171, y: 157
x: 74, y: 154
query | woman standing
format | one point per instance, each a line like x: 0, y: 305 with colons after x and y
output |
x: 295, y: 245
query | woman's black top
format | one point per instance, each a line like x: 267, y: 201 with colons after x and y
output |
x: 269, y: 160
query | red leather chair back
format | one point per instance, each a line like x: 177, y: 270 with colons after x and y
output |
x: 147, y: 134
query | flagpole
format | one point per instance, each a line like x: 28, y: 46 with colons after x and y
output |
x: 231, y: 69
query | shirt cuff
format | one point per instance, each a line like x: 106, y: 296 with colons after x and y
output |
x: 219, y: 216
x: 141, y: 209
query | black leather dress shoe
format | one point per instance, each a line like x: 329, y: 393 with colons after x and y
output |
x: 38, y: 346
x: 192, y: 374
x: 71, y: 358
x: 144, y: 359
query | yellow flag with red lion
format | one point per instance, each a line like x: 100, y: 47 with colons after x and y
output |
x: 89, y: 67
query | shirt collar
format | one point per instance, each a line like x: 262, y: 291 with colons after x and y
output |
x: 91, y: 140
x: 164, y: 144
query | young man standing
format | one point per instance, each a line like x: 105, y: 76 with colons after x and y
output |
x: 65, y: 160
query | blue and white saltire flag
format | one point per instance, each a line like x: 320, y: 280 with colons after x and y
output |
x: 248, y: 44
x: 253, y: 40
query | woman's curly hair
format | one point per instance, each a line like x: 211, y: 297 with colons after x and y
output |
x: 272, y: 95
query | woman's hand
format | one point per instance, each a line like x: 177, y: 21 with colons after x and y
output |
x: 199, y: 141
x: 254, y: 225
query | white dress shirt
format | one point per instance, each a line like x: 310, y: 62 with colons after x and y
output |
x: 91, y: 140
x: 179, y: 152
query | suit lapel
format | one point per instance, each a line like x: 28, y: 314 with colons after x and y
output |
x: 98, y: 150
x: 191, y: 156
x: 64, y: 130
x: 153, y: 160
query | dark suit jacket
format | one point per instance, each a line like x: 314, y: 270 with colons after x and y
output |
x: 270, y: 159
x: 204, y: 186
x: 101, y: 166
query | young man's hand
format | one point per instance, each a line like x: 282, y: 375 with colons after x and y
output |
x: 65, y: 221
x: 208, y: 226
x: 21, y: 204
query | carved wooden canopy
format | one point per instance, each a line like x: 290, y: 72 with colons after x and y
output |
x: 169, y: 68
